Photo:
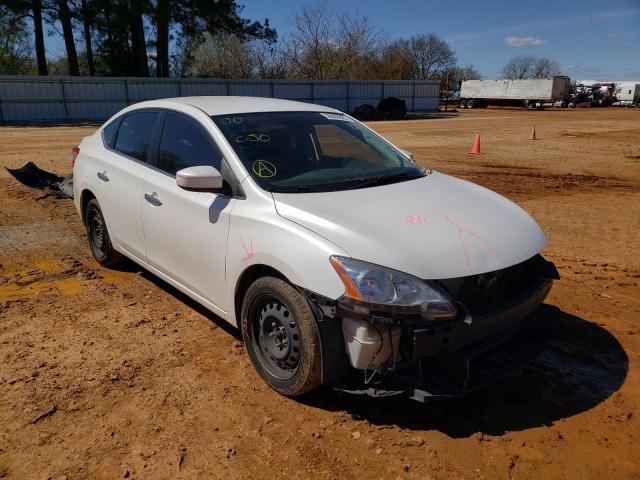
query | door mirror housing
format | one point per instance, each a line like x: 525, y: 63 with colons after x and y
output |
x: 203, y: 177
x: 407, y: 154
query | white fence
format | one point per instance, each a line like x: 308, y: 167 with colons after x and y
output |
x: 30, y: 99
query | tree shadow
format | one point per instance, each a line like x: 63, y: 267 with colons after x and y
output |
x: 582, y: 367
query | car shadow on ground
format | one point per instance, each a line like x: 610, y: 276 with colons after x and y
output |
x: 583, y: 366
x: 130, y: 266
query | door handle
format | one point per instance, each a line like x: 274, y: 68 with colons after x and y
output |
x: 153, y: 199
x: 103, y: 176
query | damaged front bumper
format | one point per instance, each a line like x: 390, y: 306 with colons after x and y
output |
x: 444, y: 359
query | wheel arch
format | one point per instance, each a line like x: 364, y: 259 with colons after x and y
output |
x: 85, y: 197
x: 247, y: 277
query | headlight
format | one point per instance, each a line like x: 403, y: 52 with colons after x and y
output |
x: 382, y: 287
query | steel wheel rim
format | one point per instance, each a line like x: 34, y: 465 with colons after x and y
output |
x: 97, y: 233
x: 276, y: 338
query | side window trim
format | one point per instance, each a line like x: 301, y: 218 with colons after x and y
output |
x: 194, y: 122
x: 226, y: 171
x: 153, y: 135
x: 154, y: 147
x: 117, y: 123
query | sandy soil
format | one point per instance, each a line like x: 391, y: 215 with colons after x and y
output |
x: 113, y: 374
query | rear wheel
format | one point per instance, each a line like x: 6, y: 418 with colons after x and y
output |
x: 279, y: 330
x: 98, y: 235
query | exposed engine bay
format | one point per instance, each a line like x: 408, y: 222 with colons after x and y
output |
x: 497, y: 332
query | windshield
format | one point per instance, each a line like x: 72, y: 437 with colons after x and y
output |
x: 313, y: 151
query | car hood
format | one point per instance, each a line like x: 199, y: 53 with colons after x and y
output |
x: 433, y: 227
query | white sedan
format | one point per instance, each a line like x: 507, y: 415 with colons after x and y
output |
x: 342, y: 262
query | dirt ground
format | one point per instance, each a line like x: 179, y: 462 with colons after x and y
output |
x: 113, y: 374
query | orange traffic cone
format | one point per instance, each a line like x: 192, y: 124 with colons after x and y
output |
x: 475, y: 150
x: 532, y: 135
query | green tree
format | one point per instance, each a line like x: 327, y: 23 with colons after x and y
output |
x: 192, y: 18
x: 32, y: 9
x: 15, y: 48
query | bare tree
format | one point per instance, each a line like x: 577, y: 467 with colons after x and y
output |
x: 545, y: 68
x: 430, y: 55
x: 272, y: 60
x: 324, y: 46
x: 528, y: 66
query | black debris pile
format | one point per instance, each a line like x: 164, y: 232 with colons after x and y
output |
x: 32, y: 176
x: 389, y: 108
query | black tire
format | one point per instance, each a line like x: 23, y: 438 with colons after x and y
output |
x: 281, y: 336
x: 98, y: 235
x: 463, y: 103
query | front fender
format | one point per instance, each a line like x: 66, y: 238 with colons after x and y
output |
x: 259, y: 236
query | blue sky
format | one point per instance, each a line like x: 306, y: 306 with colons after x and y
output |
x: 590, y: 39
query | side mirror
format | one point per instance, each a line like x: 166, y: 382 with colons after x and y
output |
x: 202, y: 177
x: 407, y: 154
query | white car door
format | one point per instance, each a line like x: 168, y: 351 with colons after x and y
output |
x: 120, y: 174
x: 186, y: 230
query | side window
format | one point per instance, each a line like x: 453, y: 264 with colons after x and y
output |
x: 134, y: 134
x: 109, y: 133
x: 185, y: 144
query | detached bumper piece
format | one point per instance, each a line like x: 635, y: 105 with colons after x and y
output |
x: 32, y: 176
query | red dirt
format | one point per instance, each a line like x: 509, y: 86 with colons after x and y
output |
x: 113, y: 374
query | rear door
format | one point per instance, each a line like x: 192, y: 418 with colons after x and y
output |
x: 121, y: 173
x: 186, y: 230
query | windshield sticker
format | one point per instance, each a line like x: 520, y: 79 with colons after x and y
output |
x: 230, y: 120
x: 253, y: 137
x: 264, y: 169
x: 336, y: 116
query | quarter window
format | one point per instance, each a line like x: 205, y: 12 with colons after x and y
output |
x: 134, y: 135
x: 185, y: 144
x: 109, y: 133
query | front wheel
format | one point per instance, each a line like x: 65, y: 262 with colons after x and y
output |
x: 281, y: 336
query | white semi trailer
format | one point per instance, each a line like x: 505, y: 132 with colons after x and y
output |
x: 627, y: 93
x: 528, y: 93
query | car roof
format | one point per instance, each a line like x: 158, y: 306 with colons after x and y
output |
x: 223, y: 105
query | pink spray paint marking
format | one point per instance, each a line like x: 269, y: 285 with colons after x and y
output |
x: 248, y: 252
x: 462, y: 230
x: 417, y: 219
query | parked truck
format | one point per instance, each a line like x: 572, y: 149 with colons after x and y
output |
x: 528, y: 93
x: 627, y: 93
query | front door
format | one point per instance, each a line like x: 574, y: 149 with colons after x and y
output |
x: 186, y: 230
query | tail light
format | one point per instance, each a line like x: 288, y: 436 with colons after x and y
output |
x: 74, y: 154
